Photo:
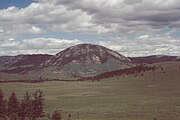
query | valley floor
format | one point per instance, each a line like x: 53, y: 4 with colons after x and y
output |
x: 153, y: 95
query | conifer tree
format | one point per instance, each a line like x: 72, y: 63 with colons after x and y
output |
x: 21, y: 111
x: 26, y: 107
x: 13, y: 107
x: 2, y: 106
x: 38, y: 104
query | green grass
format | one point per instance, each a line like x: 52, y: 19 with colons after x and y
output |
x: 154, y: 95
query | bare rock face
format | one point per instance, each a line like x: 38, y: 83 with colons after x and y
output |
x: 84, y: 53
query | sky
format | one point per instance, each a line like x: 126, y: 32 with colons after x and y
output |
x: 131, y: 27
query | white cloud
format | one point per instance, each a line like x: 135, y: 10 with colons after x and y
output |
x: 11, y: 39
x: 151, y: 45
x: 129, y: 16
x: 143, y: 36
x: 132, y: 1
x: 1, y: 30
x: 35, y: 30
x: 35, y: 46
x: 145, y: 45
x: 114, y: 18
x: 96, y: 16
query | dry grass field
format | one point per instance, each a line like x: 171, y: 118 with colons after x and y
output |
x: 155, y: 94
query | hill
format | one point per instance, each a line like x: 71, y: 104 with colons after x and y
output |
x: 81, y: 60
x: 154, y: 59
x: 21, y: 63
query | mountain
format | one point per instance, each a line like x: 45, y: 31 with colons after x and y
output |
x: 21, y: 63
x: 75, y: 62
x: 81, y: 60
x: 154, y: 59
x: 84, y: 54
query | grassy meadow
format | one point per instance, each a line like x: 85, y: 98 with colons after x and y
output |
x: 153, y: 95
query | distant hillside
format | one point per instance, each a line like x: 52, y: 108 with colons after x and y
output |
x: 154, y: 59
x: 168, y: 68
x: 21, y: 63
x: 124, y: 72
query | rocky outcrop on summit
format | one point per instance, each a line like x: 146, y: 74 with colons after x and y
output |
x: 84, y: 54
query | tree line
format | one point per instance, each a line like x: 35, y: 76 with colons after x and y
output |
x: 31, y: 107
x: 121, y: 72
